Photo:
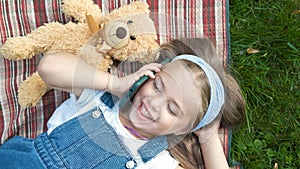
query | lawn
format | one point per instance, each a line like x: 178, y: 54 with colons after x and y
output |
x: 270, y: 79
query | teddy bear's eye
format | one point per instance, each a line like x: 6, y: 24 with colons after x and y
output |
x: 132, y: 37
x: 129, y: 22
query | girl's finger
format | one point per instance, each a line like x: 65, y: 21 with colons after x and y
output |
x: 152, y: 66
x: 150, y: 74
x: 140, y: 74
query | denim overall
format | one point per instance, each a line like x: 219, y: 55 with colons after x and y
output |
x: 84, y: 142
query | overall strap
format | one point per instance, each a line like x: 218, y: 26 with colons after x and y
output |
x: 109, y: 100
x: 153, y: 147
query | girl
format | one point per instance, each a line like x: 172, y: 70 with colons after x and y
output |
x: 187, y: 97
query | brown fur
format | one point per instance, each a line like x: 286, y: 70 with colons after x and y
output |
x: 72, y: 38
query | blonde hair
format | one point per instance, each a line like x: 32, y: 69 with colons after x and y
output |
x: 188, y: 151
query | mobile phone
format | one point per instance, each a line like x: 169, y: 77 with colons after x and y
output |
x: 136, y: 86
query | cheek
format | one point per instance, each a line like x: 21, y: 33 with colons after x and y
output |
x: 145, y: 90
x: 166, y: 123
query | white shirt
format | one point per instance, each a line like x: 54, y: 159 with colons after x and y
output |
x: 73, y: 107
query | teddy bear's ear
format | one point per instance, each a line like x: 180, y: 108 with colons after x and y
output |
x: 140, y: 7
x: 140, y: 24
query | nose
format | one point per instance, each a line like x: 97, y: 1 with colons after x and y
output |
x: 158, y: 102
x: 121, y: 33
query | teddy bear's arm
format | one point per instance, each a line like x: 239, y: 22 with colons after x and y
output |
x: 50, y: 38
x: 78, y: 8
x: 31, y: 90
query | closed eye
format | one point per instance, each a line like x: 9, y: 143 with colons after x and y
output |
x: 160, y: 88
x: 171, y: 109
x: 158, y: 85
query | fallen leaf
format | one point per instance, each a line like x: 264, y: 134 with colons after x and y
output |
x: 297, y: 11
x: 275, y: 166
x: 252, y: 51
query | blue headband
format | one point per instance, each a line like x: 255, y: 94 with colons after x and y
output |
x: 216, y: 89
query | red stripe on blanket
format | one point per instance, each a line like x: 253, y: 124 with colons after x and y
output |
x: 187, y: 19
x: 24, y: 16
x: 19, y: 18
x: 99, y: 2
x: 9, y: 90
x: 225, y: 34
x: 55, y: 13
x: 226, y: 143
x: 38, y: 6
x: 208, y: 20
x: 153, y: 6
x: 192, y: 15
x: 177, y: 13
x: 111, y: 5
x: 212, y: 21
x: 168, y: 19
x: 205, y: 19
x: 6, y: 19
x: 2, y: 27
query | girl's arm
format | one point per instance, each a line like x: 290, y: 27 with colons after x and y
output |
x: 211, y: 147
x: 70, y: 73
x: 213, y: 154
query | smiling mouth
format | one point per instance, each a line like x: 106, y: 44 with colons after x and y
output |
x: 145, y: 112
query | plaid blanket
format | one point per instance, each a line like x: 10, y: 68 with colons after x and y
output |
x: 173, y: 19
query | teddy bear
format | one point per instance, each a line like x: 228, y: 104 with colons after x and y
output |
x: 126, y: 33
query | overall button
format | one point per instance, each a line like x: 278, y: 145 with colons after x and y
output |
x: 96, y: 114
x: 130, y: 164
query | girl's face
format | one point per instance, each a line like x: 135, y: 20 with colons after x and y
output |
x: 168, y: 104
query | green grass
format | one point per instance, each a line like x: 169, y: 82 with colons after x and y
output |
x: 270, y: 80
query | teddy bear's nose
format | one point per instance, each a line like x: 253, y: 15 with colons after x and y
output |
x: 121, y: 32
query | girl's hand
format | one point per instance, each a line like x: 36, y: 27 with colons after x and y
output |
x: 205, y: 133
x: 119, y: 86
